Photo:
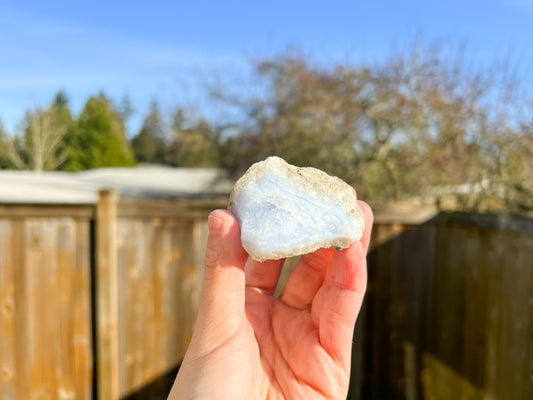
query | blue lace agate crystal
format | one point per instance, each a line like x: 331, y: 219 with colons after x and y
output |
x: 286, y: 211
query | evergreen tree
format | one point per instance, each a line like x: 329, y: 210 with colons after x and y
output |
x: 97, y: 138
x: 61, y: 100
x: 149, y: 144
x: 4, y: 143
x: 62, y: 118
x: 126, y: 110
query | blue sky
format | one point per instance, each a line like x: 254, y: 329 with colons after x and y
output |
x: 150, y: 49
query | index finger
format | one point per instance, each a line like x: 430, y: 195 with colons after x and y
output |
x: 342, y: 295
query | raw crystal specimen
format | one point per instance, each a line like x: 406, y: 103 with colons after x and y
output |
x: 286, y: 211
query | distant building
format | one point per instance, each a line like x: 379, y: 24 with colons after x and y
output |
x: 145, y: 182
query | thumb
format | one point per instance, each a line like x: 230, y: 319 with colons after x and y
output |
x: 222, y: 300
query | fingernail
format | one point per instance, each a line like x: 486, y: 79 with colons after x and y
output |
x: 215, y: 223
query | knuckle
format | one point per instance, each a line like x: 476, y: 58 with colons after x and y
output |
x: 318, y: 260
x: 213, y: 255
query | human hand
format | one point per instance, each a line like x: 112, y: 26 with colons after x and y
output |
x: 248, y: 344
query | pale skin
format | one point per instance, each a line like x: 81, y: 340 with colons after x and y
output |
x: 249, y: 344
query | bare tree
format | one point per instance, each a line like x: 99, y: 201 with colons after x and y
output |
x: 37, y: 149
x: 420, y: 124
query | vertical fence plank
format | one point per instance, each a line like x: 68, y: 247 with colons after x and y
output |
x: 476, y: 315
x: 382, y: 311
x: 176, y: 303
x: 43, y: 305
x: 82, y: 340
x: 126, y: 271
x: 515, y: 334
x: 7, y: 313
x: 65, y: 253
x: 136, y: 304
x: 24, y: 343
x: 107, y: 300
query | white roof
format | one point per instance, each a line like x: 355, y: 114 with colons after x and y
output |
x: 141, y: 182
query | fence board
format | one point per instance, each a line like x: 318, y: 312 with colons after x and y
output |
x: 24, y: 343
x: 41, y: 271
x: 81, y: 309
x: 7, y: 312
x: 514, y: 329
x: 475, y: 313
x: 107, y: 297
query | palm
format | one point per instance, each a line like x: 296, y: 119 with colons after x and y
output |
x: 253, y: 345
x: 288, y: 347
x: 296, y: 337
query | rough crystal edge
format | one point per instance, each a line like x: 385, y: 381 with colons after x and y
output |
x: 308, y: 178
x: 312, y: 180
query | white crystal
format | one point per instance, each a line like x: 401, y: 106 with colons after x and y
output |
x: 285, y: 211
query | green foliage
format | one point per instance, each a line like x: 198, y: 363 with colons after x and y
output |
x: 4, y: 143
x: 148, y: 148
x: 62, y: 120
x: 195, y: 143
x: 60, y: 100
x: 126, y: 108
x: 149, y: 144
x: 97, y: 139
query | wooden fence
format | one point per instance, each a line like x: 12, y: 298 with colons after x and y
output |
x: 97, y: 301
x: 45, y: 302
x: 100, y: 301
x: 449, y: 310
x: 158, y: 273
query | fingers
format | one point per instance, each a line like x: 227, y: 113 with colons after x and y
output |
x: 306, y: 278
x: 263, y: 276
x: 339, y: 300
x: 224, y: 280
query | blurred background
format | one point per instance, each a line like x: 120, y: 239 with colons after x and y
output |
x: 122, y: 124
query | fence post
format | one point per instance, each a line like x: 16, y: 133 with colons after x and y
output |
x: 107, y: 300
